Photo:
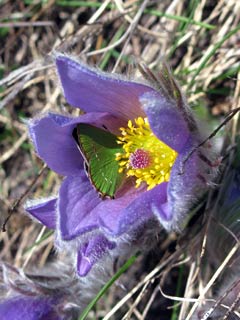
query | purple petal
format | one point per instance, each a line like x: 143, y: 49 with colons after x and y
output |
x: 82, y: 210
x: 95, y: 91
x: 28, y: 308
x: 165, y: 120
x: 91, y: 252
x: 185, y: 188
x: 77, y: 198
x: 44, y: 211
x: 149, y: 204
x: 52, y: 138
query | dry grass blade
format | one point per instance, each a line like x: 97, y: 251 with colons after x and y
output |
x: 213, y: 279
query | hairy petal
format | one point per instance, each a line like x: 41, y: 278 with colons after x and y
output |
x: 186, y: 186
x: 43, y: 210
x: 95, y: 91
x: 28, y: 308
x: 77, y: 199
x: 91, y: 252
x: 165, y: 120
x: 147, y: 205
x: 82, y: 210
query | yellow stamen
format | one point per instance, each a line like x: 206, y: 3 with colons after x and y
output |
x: 144, y: 155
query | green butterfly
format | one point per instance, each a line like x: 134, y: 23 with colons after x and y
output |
x: 99, y: 148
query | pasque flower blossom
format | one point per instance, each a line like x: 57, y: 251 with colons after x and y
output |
x: 46, y: 294
x: 123, y: 159
x: 29, y: 308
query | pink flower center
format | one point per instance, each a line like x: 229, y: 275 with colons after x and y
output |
x: 140, y: 159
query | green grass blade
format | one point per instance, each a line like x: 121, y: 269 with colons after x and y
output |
x: 211, y: 53
x: 70, y: 3
x: 85, y: 4
x: 180, y: 19
x: 108, y: 55
x: 183, y: 26
x: 180, y: 284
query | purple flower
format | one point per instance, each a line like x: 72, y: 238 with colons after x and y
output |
x: 38, y: 296
x: 153, y: 130
x: 28, y: 308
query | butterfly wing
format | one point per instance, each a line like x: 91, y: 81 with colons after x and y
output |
x: 99, y: 148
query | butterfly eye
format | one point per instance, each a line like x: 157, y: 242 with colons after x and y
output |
x: 104, y: 127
